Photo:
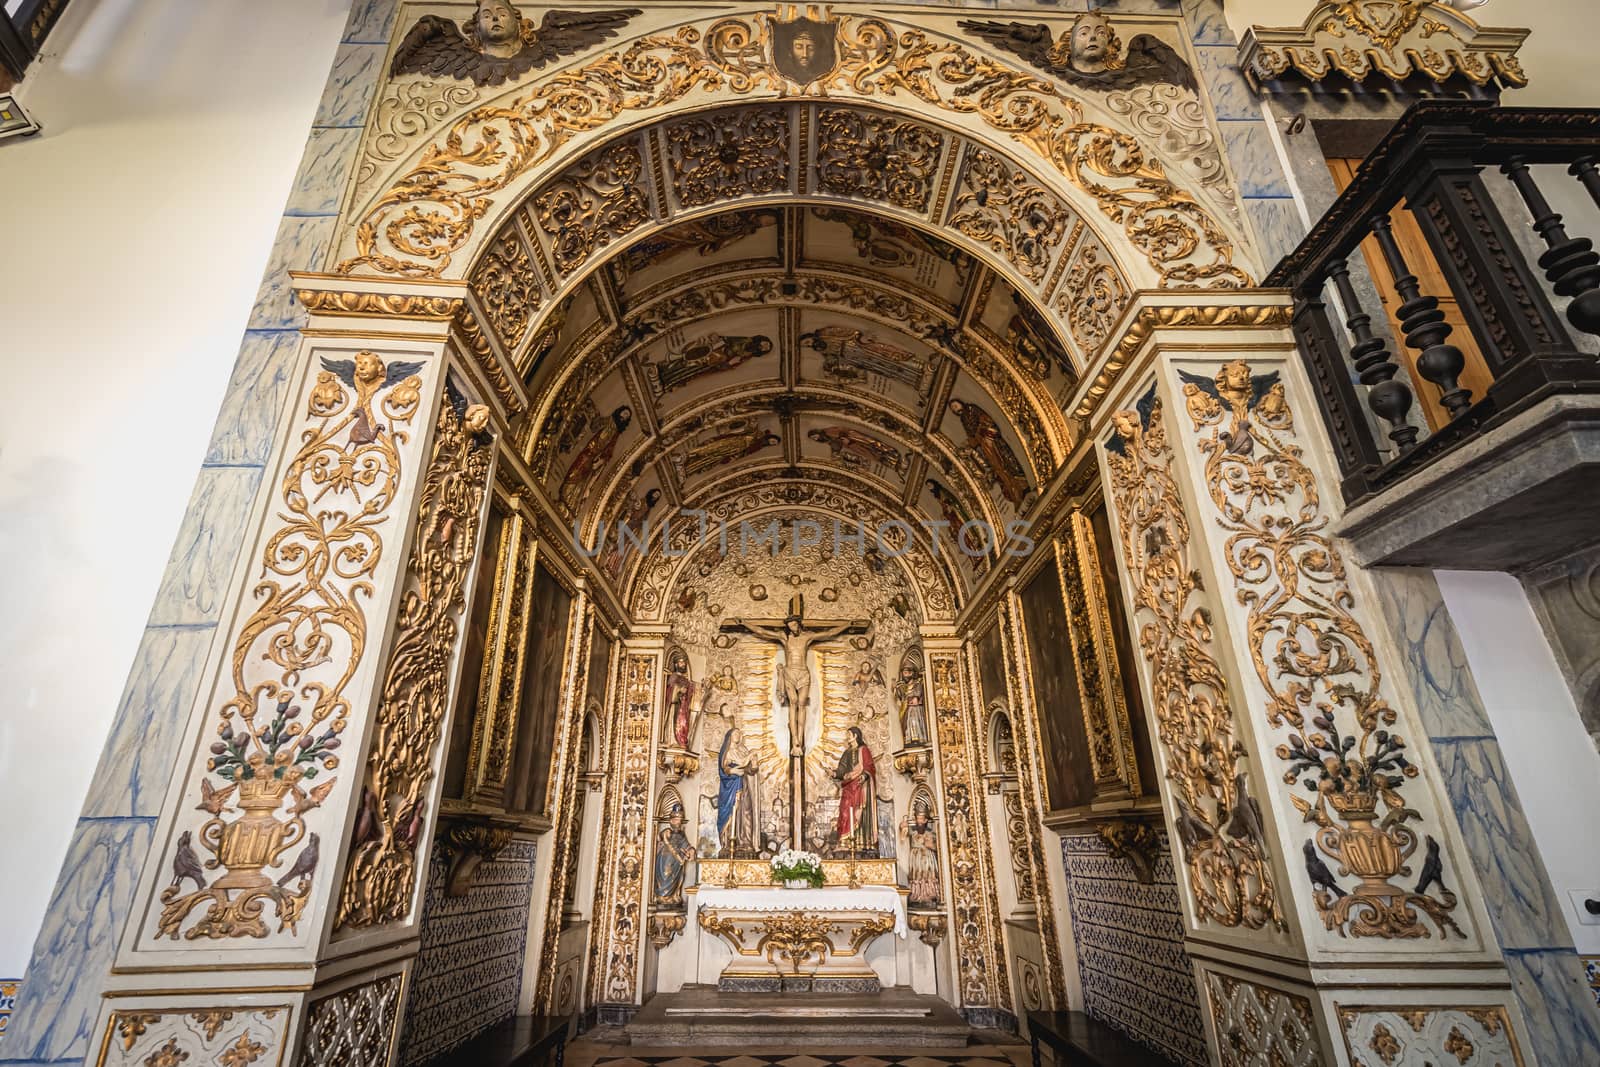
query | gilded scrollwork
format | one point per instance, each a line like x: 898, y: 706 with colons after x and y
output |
x: 876, y: 157
x: 1093, y: 297
x: 1005, y: 208
x: 980, y: 968
x: 234, y: 1036
x: 1260, y: 1024
x: 293, y: 657
x: 507, y: 287
x: 406, y: 111
x: 382, y: 305
x: 359, y: 1026
x: 1461, y: 1035
x: 1229, y: 878
x: 429, y: 213
x: 718, y: 160
x: 381, y: 875
x: 617, y: 952
x: 1017, y: 838
x: 1315, y: 662
x: 592, y: 203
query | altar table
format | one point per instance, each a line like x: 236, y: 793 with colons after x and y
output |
x: 787, y: 940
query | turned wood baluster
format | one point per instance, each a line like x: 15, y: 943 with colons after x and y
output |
x: 1571, y: 263
x: 1425, y: 326
x: 1389, y: 400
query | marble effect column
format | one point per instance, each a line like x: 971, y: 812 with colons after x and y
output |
x: 1331, y: 908
x: 277, y: 914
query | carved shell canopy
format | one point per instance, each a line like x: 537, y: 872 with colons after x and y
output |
x: 865, y: 313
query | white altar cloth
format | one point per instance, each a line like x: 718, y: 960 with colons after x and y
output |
x: 828, y: 898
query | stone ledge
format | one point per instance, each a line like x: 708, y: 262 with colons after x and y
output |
x: 1523, y: 494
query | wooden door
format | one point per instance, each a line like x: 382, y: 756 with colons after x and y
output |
x: 1419, y: 257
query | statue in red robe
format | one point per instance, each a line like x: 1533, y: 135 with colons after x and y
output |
x: 858, y: 797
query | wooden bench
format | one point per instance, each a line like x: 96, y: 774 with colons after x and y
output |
x: 520, y: 1041
x: 1079, y: 1041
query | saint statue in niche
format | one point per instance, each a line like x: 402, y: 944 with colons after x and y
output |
x: 677, y: 700
x: 738, y: 821
x: 673, y: 856
x: 922, y: 856
x: 1090, y: 54
x: 910, y: 700
x: 858, y: 796
x: 498, y: 44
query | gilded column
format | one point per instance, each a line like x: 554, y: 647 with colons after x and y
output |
x: 981, y: 983
x: 1330, y: 910
x: 276, y: 917
x: 616, y: 958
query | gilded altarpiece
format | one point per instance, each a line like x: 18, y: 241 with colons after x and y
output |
x: 1309, y: 820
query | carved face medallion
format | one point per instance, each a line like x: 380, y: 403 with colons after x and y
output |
x: 1091, y: 43
x: 498, y: 23
x: 805, y: 50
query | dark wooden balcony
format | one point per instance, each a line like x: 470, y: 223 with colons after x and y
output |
x: 1468, y: 435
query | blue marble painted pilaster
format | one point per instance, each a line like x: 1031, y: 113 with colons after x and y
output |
x: 76, y: 944
x: 1546, y: 973
x: 61, y: 991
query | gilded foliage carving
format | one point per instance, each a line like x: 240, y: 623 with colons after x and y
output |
x: 1017, y: 838
x: 980, y: 970
x: 186, y: 1037
x: 616, y: 979
x: 1093, y: 297
x: 381, y: 875
x: 507, y: 287
x: 721, y: 159
x: 1006, y: 209
x: 876, y: 157
x: 1460, y: 1035
x: 1259, y: 1024
x: 358, y: 1027
x: 429, y: 214
x: 1205, y: 763
x: 294, y: 655
x: 1315, y: 662
x: 592, y: 203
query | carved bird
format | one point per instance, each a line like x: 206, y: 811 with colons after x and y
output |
x: 1317, y: 871
x: 1432, y: 869
x: 437, y: 47
x: 367, y: 820
x: 185, y: 864
x: 368, y: 375
x: 1191, y: 831
x: 1147, y: 59
x: 1246, y: 822
x: 408, y: 827
x: 304, y: 863
x: 213, y: 800
x: 313, y: 798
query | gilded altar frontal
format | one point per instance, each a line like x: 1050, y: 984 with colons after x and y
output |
x: 934, y: 533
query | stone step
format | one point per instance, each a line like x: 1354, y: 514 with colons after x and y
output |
x: 893, y: 1018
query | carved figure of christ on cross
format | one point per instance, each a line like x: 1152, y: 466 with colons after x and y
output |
x: 796, y: 639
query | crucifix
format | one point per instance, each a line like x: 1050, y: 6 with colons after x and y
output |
x: 796, y: 639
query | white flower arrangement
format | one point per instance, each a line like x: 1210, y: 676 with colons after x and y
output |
x: 791, y: 865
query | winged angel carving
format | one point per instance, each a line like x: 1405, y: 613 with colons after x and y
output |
x: 1089, y: 55
x: 498, y: 44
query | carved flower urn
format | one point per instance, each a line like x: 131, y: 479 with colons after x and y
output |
x: 256, y: 839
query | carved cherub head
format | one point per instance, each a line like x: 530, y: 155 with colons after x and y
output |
x: 369, y: 368
x: 496, y: 28
x: 1092, y: 45
x: 477, y: 418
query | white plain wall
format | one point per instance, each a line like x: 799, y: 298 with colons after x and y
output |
x: 137, y: 227
x: 1552, y: 762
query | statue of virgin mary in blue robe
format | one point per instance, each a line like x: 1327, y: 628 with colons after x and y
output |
x: 738, y: 828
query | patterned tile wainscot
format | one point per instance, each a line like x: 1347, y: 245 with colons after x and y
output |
x: 1136, y: 975
x: 472, y: 953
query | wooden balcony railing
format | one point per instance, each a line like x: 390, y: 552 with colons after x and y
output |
x: 1431, y: 166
